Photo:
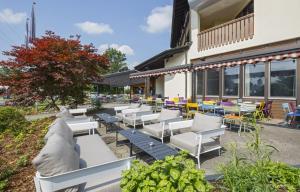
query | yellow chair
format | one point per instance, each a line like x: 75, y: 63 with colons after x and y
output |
x: 259, y: 111
x: 191, y: 109
x: 176, y: 99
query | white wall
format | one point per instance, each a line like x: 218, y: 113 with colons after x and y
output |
x: 159, y: 86
x: 274, y: 21
x: 175, y: 84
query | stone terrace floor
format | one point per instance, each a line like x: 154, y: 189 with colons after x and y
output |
x: 286, y: 140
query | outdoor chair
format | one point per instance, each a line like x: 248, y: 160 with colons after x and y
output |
x: 156, y: 124
x: 268, y: 109
x: 191, y: 109
x: 158, y: 105
x: 203, y: 135
x: 83, y: 163
x: 133, y: 117
x: 66, y: 115
x: 118, y: 110
x: 292, y: 106
x: 290, y: 116
x: 259, y: 113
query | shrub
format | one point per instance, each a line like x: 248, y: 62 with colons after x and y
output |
x: 11, y: 119
x: 255, y: 171
x: 23, y: 161
x: 3, y: 185
x: 175, y: 173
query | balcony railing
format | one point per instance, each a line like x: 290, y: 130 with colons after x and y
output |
x: 231, y: 32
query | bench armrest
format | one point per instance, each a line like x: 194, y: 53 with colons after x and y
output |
x: 83, y: 126
x: 103, y: 174
x: 168, y: 121
x: 211, y: 133
x: 180, y: 125
x: 78, y: 120
x: 141, y: 113
x: 120, y: 108
x: 151, y: 117
x: 78, y: 111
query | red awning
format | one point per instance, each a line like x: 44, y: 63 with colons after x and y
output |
x: 159, y: 72
x: 249, y: 61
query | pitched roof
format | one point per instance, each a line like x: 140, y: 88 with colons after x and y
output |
x: 157, y: 61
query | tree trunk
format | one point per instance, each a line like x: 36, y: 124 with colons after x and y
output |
x: 53, y: 104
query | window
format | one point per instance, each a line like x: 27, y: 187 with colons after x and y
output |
x: 212, y: 82
x: 283, y: 78
x: 200, y: 82
x: 255, y: 80
x: 231, y: 81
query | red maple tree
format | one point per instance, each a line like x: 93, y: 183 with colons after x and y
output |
x: 52, y: 68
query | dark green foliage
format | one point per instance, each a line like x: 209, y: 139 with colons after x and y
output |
x: 11, y: 119
x: 172, y: 174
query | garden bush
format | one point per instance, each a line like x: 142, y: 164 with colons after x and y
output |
x: 175, y: 173
x: 11, y: 119
x: 255, y: 170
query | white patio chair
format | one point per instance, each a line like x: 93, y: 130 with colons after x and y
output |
x: 133, y: 116
x: 66, y: 115
x: 156, y: 124
x: 203, y: 137
x: 118, y: 110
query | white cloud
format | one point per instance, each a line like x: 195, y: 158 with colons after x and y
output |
x: 159, y: 20
x: 8, y: 16
x: 126, y: 49
x: 94, y: 28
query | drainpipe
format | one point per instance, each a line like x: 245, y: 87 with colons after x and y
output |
x: 186, y: 78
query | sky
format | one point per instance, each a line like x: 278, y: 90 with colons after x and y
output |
x: 138, y: 28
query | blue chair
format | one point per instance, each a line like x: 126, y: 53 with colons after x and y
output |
x: 290, y: 114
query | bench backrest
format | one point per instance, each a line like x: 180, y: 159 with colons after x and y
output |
x: 103, y: 174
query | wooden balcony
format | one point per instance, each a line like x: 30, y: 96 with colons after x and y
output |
x: 237, y: 30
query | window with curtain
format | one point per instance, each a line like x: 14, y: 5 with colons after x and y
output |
x: 231, y: 81
x: 212, y: 82
x: 283, y: 78
x: 254, y: 80
x: 200, y: 82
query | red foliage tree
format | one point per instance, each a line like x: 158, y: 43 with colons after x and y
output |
x: 52, y: 68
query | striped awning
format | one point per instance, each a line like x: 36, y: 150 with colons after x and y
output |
x: 213, y: 65
x: 162, y: 71
x: 233, y: 63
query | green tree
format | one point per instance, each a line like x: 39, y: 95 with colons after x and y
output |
x: 116, y: 60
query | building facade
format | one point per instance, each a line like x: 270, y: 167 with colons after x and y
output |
x: 237, y: 49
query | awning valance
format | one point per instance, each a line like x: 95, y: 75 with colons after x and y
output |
x: 254, y: 60
x: 162, y: 71
x: 212, y: 65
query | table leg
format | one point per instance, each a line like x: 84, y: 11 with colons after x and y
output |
x: 116, y: 138
x: 130, y: 154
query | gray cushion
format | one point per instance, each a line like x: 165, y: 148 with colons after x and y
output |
x: 189, y: 141
x: 56, y: 157
x: 145, y: 108
x: 205, y: 122
x: 166, y: 114
x: 134, y: 105
x: 60, y: 127
x: 64, y: 114
x: 93, y: 151
x: 156, y: 130
x: 78, y: 120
